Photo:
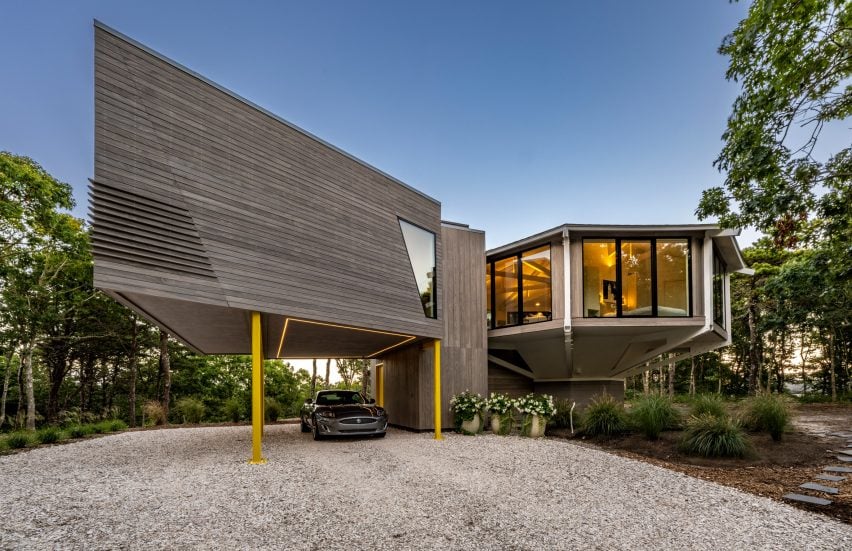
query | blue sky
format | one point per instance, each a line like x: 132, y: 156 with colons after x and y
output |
x: 517, y: 116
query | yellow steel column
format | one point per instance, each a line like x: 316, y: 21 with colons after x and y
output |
x: 437, y: 367
x: 380, y: 384
x: 256, y: 391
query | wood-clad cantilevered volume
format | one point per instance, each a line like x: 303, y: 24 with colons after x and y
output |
x: 201, y: 197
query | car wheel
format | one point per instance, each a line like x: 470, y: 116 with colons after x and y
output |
x: 305, y: 427
x: 317, y: 435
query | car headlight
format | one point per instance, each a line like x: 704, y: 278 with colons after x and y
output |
x: 381, y: 413
x: 328, y: 414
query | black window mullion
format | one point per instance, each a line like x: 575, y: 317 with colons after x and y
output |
x: 618, y: 310
x: 519, y: 267
x: 654, y: 277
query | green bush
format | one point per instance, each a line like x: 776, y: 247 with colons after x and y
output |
x: 103, y: 427
x: 712, y: 436
x: 708, y: 404
x: 234, y: 409
x: 605, y: 416
x: 153, y: 413
x: 273, y: 409
x: 653, y: 414
x: 561, y: 419
x: 768, y: 413
x: 18, y: 440
x: 191, y: 410
x: 117, y: 425
x: 79, y: 431
x: 49, y: 435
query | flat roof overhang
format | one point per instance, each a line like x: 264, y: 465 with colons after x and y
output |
x: 226, y: 330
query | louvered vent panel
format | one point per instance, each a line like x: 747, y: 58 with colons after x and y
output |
x: 145, y: 232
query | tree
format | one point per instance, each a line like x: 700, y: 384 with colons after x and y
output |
x: 165, y: 372
x: 794, y: 62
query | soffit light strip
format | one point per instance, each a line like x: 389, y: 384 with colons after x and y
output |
x: 406, y: 338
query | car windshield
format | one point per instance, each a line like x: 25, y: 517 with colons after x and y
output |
x: 339, y: 398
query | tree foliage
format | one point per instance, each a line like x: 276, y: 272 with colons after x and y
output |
x: 793, y: 60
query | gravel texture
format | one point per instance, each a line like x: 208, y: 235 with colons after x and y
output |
x: 192, y: 488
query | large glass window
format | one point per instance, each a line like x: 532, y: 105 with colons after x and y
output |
x: 599, y: 293
x: 718, y: 290
x: 488, y: 295
x: 506, y: 292
x: 519, y: 288
x: 420, y: 244
x: 535, y: 279
x: 636, y: 277
x: 635, y: 284
x: 673, y: 277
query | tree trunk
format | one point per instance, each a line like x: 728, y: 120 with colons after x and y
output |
x: 753, y: 349
x: 165, y: 370
x: 646, y: 382
x: 28, y: 377
x: 365, y: 377
x: 803, y: 354
x: 314, y: 380
x: 832, y: 352
x: 672, y: 366
x: 328, y: 373
x: 131, y: 391
x: 692, y: 376
x: 6, y: 376
x: 662, y: 378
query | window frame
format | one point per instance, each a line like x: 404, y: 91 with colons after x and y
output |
x: 720, y: 278
x: 654, y: 283
x: 434, y: 297
x: 518, y: 256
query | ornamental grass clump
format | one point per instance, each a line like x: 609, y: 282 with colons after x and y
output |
x: 500, y: 407
x: 711, y: 436
x: 153, y: 413
x: 79, y: 431
x: 768, y: 413
x: 466, y: 406
x: 18, y: 440
x: 117, y: 425
x: 605, y: 416
x: 653, y: 414
x: 272, y: 409
x: 49, y: 435
x: 536, y: 409
x: 191, y: 410
x: 234, y: 409
x: 561, y: 418
x: 708, y: 404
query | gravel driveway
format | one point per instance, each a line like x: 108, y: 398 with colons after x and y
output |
x: 192, y: 488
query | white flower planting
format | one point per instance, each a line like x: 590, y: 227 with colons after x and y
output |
x: 499, y: 403
x: 536, y: 404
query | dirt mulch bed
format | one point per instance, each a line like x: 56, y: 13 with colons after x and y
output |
x: 775, y: 469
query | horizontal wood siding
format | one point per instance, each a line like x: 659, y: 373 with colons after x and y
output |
x: 262, y: 215
x: 504, y: 381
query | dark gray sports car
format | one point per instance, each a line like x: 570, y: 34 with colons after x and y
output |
x: 343, y: 413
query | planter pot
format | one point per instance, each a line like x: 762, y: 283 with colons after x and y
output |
x: 501, y: 424
x: 535, y: 426
x: 473, y: 426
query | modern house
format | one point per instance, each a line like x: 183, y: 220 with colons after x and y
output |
x: 240, y: 233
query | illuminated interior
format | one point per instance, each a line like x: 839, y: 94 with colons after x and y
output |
x: 636, y: 277
x: 599, y: 281
x: 519, y: 289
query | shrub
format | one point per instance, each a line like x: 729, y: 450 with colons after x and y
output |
x: 708, y: 404
x: 768, y: 413
x: 561, y: 418
x: 234, y: 409
x: 605, y: 416
x: 69, y: 417
x: 103, y: 427
x: 191, y: 410
x: 18, y: 440
x: 272, y: 408
x: 653, y: 414
x: 712, y: 436
x: 154, y: 412
x: 79, y: 431
x: 49, y: 435
x: 117, y: 425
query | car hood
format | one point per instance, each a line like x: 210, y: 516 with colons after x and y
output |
x: 347, y: 410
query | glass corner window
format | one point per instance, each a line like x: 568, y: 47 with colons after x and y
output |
x: 420, y: 244
x: 519, y: 288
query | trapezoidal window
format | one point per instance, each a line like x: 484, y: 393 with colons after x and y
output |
x: 420, y: 244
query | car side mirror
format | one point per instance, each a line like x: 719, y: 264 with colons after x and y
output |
x: 371, y: 401
x: 309, y: 401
